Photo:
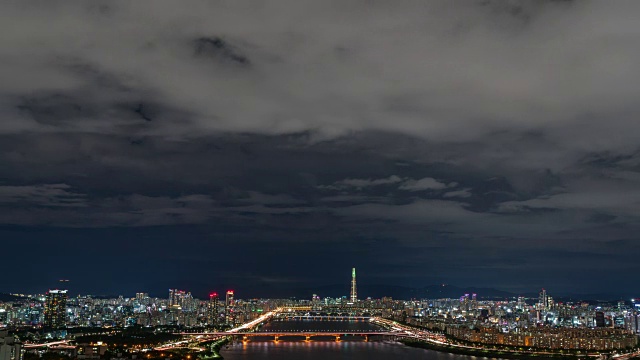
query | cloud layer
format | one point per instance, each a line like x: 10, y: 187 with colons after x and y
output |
x: 443, y: 71
x: 477, y: 136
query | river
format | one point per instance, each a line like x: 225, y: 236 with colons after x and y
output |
x: 353, y: 348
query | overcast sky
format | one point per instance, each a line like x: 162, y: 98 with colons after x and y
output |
x: 260, y: 145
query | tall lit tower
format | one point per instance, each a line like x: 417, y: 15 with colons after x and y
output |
x: 354, y: 291
x: 55, y: 309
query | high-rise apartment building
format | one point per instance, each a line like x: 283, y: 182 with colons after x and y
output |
x: 142, y: 299
x: 55, y: 309
x: 10, y: 347
x: 228, y: 308
x: 542, y: 300
x: 180, y: 299
x: 464, y: 302
x: 599, y: 319
x: 212, y: 310
x: 315, y: 302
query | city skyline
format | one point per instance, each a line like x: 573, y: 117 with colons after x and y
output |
x: 57, y: 309
x: 55, y: 302
x: 176, y: 296
x: 181, y: 326
x: 482, y: 144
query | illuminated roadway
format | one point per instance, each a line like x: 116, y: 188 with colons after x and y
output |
x: 204, y: 337
x: 626, y: 356
x: 244, y: 330
x: 49, y: 344
x: 255, y: 322
x: 439, y: 339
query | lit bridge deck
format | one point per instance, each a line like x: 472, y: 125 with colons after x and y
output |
x: 59, y: 344
x: 308, y: 335
x: 321, y: 317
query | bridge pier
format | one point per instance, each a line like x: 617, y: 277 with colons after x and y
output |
x: 366, y: 338
x: 337, y: 337
x: 307, y: 338
x: 275, y: 338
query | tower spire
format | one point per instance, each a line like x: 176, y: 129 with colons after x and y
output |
x: 354, y: 292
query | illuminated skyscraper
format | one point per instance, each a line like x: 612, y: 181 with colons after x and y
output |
x: 187, y: 302
x: 315, y: 302
x: 354, y: 291
x: 180, y: 299
x: 212, y: 315
x: 142, y: 299
x: 173, y: 296
x: 228, y: 308
x: 55, y: 309
x: 542, y: 300
x: 464, y: 302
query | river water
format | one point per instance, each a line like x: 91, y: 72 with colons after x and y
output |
x: 352, y: 348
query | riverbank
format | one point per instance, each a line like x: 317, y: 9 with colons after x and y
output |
x: 501, y: 354
x: 214, y: 350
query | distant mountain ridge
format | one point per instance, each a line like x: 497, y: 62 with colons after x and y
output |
x: 9, y: 297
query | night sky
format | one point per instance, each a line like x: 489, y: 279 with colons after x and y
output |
x: 265, y: 146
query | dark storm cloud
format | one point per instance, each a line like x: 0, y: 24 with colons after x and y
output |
x: 474, y: 137
x: 453, y: 70
x: 49, y: 195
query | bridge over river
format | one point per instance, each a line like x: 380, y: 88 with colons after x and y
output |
x: 306, y: 334
x: 294, y: 324
x: 322, y: 317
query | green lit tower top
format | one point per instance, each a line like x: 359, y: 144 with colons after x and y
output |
x: 354, y: 292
